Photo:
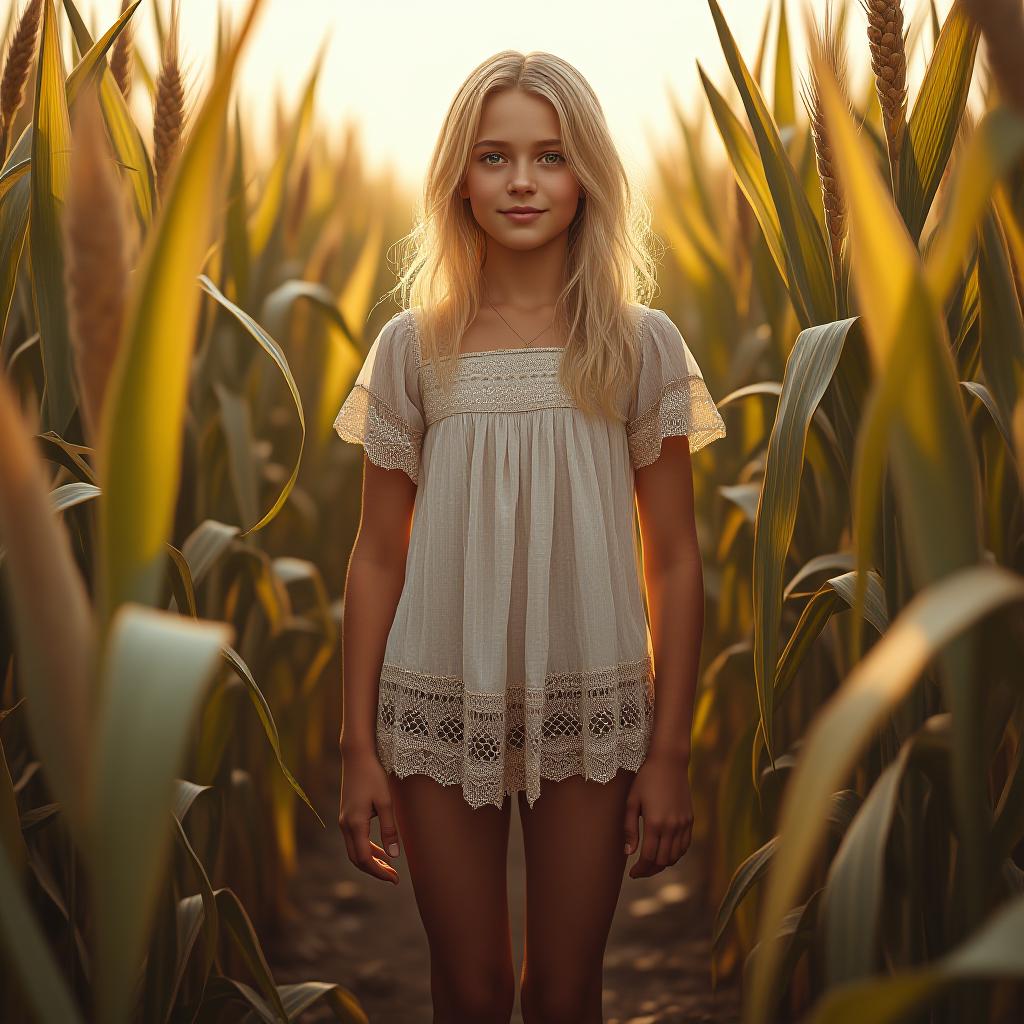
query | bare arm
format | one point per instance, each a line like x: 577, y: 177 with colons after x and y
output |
x: 675, y: 590
x: 376, y: 574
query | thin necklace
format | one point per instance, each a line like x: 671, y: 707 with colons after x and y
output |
x: 510, y: 327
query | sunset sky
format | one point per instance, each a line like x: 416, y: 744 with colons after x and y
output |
x: 393, y: 67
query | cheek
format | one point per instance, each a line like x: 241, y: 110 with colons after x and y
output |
x: 565, y: 188
x: 479, y: 181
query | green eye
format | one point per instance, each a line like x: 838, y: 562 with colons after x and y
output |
x: 485, y: 158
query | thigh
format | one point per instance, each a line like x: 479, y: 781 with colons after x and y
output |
x: 573, y: 843
x: 457, y: 858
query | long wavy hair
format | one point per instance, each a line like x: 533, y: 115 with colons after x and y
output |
x: 610, y: 260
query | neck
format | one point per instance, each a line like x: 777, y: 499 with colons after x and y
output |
x: 526, y: 281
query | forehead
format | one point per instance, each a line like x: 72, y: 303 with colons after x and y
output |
x: 518, y: 117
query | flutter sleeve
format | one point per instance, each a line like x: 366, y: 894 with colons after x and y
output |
x: 383, y: 412
x: 671, y: 397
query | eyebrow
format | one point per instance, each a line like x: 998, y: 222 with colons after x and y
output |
x: 503, y: 142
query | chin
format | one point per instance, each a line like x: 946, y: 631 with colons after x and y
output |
x: 521, y: 243
x: 522, y: 237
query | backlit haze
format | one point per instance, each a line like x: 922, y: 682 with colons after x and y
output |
x: 393, y: 67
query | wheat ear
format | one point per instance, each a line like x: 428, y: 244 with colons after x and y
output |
x: 16, y: 69
x: 827, y: 47
x: 888, y: 45
x: 121, y: 55
x: 169, y: 110
x: 96, y: 256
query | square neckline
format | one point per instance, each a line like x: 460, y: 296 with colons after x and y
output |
x: 514, y: 348
x: 484, y: 351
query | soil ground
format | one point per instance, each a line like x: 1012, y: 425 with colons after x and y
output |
x: 366, y: 934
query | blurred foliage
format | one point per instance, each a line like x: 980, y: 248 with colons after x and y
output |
x: 852, y: 278
x: 168, y: 636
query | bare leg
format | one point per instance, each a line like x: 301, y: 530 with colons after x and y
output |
x: 457, y: 859
x: 573, y: 842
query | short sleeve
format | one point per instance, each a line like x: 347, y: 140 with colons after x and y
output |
x: 671, y: 397
x: 383, y: 412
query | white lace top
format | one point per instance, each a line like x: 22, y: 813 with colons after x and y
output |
x: 520, y: 647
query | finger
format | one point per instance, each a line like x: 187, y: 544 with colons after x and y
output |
x: 350, y: 847
x: 644, y: 864
x: 381, y: 858
x: 365, y: 850
x: 345, y: 824
x: 678, y: 845
x: 388, y: 827
x: 664, y: 855
x: 687, y: 837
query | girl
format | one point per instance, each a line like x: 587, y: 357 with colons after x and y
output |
x: 515, y: 415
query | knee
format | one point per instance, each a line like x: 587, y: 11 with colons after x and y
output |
x: 560, y: 1000
x: 475, y: 997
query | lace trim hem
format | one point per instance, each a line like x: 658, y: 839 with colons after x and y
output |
x: 391, y: 442
x: 684, y: 407
x: 589, y: 723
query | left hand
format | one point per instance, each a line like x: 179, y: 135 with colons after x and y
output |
x: 660, y: 794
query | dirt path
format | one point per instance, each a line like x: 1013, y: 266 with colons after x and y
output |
x: 367, y: 935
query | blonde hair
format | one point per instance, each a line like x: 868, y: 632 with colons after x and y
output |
x: 610, y: 266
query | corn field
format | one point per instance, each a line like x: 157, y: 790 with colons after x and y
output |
x: 182, y: 315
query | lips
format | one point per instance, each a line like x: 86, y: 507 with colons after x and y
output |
x: 522, y: 216
x: 522, y: 209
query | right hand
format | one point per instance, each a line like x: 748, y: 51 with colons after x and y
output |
x: 365, y: 795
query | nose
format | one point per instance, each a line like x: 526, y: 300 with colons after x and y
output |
x: 521, y: 180
x: 523, y: 191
